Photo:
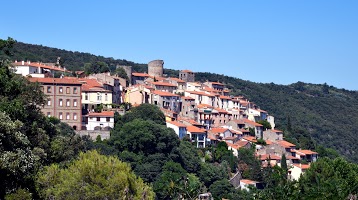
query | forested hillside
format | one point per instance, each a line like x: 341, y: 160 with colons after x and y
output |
x: 310, y: 114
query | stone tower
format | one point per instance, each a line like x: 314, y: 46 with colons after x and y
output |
x: 155, y: 68
x: 128, y: 70
x: 187, y: 75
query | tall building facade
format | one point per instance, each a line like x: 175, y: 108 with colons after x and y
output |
x: 63, y: 100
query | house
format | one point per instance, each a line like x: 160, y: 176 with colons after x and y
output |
x: 111, y: 83
x: 36, y: 69
x: 166, y: 100
x: 296, y: 170
x: 245, y: 123
x: 138, y: 94
x: 94, y: 95
x: 237, y: 145
x: 189, y: 108
x: 164, y: 86
x: 273, y: 135
x: 269, y: 159
x: 98, y: 121
x: 169, y: 115
x: 245, y: 184
x: 256, y: 114
x: 180, y: 84
x: 308, y: 155
x: 179, y: 128
x: 201, y: 97
x: 215, y: 85
x: 138, y: 78
x: 197, y: 135
x: 63, y: 99
x: 187, y: 76
x: 193, y: 86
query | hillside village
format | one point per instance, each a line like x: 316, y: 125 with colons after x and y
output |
x: 204, y: 112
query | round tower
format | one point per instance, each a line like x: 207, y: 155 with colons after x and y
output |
x: 155, y: 68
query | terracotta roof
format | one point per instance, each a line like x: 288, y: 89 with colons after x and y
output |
x: 221, y: 110
x: 194, y: 129
x: 268, y: 142
x: 302, y: 166
x: 241, y: 143
x: 268, y: 156
x: 36, y: 64
x: 166, y: 94
x: 91, y: 85
x: 218, y: 130
x: 247, y: 181
x: 276, y: 131
x: 202, y: 93
x: 234, y: 146
x: 250, y: 138
x: 168, y: 111
x: 188, y: 98
x: 292, y: 158
x: 56, y: 80
x: 102, y: 114
x: 140, y: 74
x: 212, y: 137
x: 208, y: 89
x: 285, y: 144
x: 251, y: 122
x: 176, y: 123
x: 193, y: 83
x: 176, y: 79
x: 185, y: 70
x: 224, y: 97
x: 305, y: 152
x: 204, y: 106
x: 163, y: 84
x: 229, y: 138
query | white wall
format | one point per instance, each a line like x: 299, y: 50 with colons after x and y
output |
x: 92, y: 122
x: 175, y: 128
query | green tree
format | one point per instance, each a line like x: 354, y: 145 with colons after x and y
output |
x: 265, y: 123
x: 329, y: 179
x: 221, y: 189
x: 189, y: 158
x: 209, y: 173
x: 145, y: 112
x: 284, y: 163
x: 92, y: 176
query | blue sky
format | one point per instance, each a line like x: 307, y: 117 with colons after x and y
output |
x: 280, y: 41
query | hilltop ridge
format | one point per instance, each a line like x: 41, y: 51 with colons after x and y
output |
x: 310, y: 114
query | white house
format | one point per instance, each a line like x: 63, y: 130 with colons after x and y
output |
x: 179, y: 128
x: 99, y: 121
x: 35, y: 69
x: 295, y: 172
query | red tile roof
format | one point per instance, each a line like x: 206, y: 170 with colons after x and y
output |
x: 247, y: 181
x: 202, y: 93
x: 176, y: 79
x: 176, y: 123
x: 204, y: 106
x: 224, y: 97
x: 164, y: 94
x: 218, y: 130
x: 268, y: 156
x: 56, y: 81
x: 163, y: 84
x: 188, y: 98
x: 285, y: 144
x: 194, y: 129
x: 102, y: 114
x: 305, y: 152
x: 140, y: 74
x: 221, y: 110
x: 185, y: 70
x: 250, y: 138
x: 302, y: 166
x: 216, y: 83
x: 36, y: 64
x: 241, y: 143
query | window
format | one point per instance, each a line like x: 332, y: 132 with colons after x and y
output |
x: 86, y: 96
x: 75, y: 116
x: 48, y: 114
x: 42, y: 88
x: 98, y: 96
x: 48, y: 89
x: 75, y: 103
x: 75, y: 90
x: 106, y: 97
x: 67, y: 116
x: 68, y: 90
x: 108, y: 119
x: 49, y: 102
x: 98, y: 119
x: 68, y: 103
x: 60, y: 90
x: 60, y: 102
x: 60, y: 115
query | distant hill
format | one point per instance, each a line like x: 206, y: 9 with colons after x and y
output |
x: 310, y: 114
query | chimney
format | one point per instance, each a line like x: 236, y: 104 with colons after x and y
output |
x: 22, y: 62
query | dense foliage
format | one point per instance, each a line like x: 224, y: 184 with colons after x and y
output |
x: 92, y: 176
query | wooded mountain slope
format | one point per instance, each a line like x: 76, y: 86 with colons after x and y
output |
x: 319, y: 114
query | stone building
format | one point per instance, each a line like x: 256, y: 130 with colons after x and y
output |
x: 155, y: 68
x: 63, y: 99
x: 187, y: 75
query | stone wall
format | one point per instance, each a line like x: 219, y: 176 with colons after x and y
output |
x: 93, y: 134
